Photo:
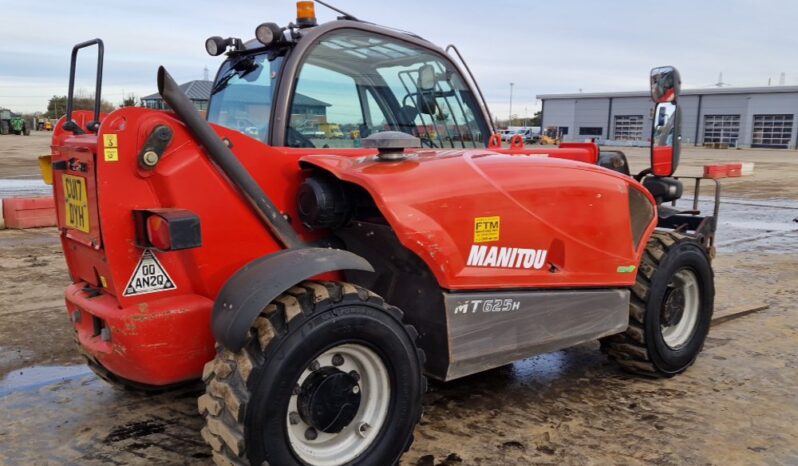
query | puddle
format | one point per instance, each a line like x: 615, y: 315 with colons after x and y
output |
x: 18, y: 188
x: 745, y: 225
x: 34, y: 377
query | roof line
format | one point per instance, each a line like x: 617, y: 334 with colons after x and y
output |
x: 705, y: 91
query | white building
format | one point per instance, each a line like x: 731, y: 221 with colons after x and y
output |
x: 737, y: 117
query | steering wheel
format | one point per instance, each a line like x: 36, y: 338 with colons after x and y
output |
x: 297, y: 139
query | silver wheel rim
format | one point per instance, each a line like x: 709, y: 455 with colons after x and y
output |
x: 680, y: 332
x: 335, y: 449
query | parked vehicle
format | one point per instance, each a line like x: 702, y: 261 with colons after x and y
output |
x: 551, y: 136
x: 531, y: 135
x: 512, y: 132
x: 506, y: 134
x: 19, y: 126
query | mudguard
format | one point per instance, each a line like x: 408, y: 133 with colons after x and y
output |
x: 258, y: 283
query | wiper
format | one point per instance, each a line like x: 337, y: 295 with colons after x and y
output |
x: 240, y: 69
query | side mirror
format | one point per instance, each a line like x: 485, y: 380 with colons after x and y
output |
x: 426, y: 78
x: 665, y: 131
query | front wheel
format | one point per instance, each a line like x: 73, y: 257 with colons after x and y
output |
x: 670, y: 310
x: 330, y: 377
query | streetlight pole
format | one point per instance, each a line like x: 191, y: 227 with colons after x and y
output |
x: 510, y: 119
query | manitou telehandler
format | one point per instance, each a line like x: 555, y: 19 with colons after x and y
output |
x: 320, y: 279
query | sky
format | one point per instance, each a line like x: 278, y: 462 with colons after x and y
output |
x: 540, y: 46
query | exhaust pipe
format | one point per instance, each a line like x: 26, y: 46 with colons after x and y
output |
x: 221, y: 155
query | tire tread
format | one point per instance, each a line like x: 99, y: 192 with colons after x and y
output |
x: 223, y: 406
x: 629, y: 349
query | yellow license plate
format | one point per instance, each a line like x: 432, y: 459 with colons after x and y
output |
x: 76, y: 208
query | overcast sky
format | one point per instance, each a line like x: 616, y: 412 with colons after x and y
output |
x: 543, y: 47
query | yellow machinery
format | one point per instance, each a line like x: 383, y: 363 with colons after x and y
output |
x: 551, y: 135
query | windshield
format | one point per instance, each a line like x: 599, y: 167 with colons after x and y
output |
x: 241, y: 98
x: 355, y: 83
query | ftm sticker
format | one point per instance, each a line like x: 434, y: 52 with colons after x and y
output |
x: 111, y: 146
x: 149, y: 277
x: 486, y: 229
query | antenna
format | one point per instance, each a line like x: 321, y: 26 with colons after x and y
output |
x: 344, y: 14
x: 720, y: 82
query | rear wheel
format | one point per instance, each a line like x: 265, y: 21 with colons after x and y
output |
x: 330, y: 376
x: 670, y: 310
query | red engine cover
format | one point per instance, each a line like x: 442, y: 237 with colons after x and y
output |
x: 483, y: 220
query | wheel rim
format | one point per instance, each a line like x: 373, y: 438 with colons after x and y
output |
x: 679, y: 314
x: 313, y: 445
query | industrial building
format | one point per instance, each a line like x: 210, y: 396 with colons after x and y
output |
x: 718, y: 117
x: 198, y: 92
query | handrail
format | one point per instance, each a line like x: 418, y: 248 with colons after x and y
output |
x: 92, y: 126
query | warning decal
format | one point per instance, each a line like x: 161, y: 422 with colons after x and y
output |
x: 111, y: 144
x: 149, y: 277
x: 486, y: 229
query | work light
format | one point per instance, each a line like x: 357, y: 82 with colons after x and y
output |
x: 215, y: 45
x: 267, y: 33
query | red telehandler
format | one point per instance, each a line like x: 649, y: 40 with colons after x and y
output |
x: 314, y: 281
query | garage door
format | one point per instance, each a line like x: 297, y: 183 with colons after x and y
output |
x: 772, y: 131
x: 722, y: 129
x: 628, y: 128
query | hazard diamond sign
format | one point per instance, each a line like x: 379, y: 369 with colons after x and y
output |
x: 149, y: 277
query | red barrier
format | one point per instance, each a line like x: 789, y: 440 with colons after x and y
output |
x: 29, y: 212
x: 734, y: 170
x: 716, y: 171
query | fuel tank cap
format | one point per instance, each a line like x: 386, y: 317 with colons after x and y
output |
x: 390, y: 144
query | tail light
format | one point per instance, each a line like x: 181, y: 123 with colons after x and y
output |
x: 167, y: 229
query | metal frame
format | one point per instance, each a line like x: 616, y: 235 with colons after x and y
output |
x: 703, y: 227
x: 483, y: 103
x: 93, y: 126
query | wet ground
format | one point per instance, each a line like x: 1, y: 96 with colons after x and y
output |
x: 737, y: 405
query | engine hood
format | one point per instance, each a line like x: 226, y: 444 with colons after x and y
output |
x: 445, y: 206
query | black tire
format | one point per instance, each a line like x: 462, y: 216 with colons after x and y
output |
x: 248, y: 393
x: 642, y: 348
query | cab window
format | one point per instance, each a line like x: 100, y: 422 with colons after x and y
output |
x: 241, y: 96
x: 354, y: 83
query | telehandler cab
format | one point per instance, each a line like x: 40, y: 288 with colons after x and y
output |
x: 314, y: 281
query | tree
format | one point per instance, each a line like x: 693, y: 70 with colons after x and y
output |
x: 519, y: 121
x: 129, y: 101
x: 537, y: 119
x: 56, y: 107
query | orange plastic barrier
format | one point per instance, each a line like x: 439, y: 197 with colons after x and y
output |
x: 29, y: 212
x: 716, y: 171
x: 734, y: 170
